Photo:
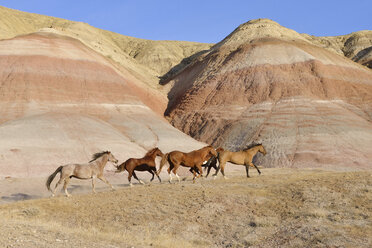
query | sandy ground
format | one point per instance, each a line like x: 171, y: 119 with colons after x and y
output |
x: 18, y: 189
x: 280, y: 208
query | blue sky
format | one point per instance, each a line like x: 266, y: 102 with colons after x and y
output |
x: 204, y: 21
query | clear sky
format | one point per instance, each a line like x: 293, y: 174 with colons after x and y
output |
x: 205, y: 20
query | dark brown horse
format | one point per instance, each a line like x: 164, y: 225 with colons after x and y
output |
x: 243, y: 157
x: 147, y: 163
x: 193, y: 159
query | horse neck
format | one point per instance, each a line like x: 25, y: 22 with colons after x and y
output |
x: 152, y: 155
x: 102, y: 161
x: 254, y: 149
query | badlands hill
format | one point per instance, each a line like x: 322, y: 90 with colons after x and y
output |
x: 64, y: 81
x: 61, y: 102
x: 265, y: 83
x: 146, y: 59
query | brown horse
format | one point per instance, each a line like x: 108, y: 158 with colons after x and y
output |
x: 91, y: 170
x: 193, y: 159
x: 147, y: 163
x: 243, y: 157
x: 208, y: 165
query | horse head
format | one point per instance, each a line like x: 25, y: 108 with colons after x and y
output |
x: 212, y: 151
x: 158, y: 152
x: 262, y: 149
x: 111, y: 157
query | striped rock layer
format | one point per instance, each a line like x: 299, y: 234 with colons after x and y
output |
x: 60, y: 102
x: 310, y: 107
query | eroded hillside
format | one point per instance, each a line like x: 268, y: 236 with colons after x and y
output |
x: 146, y: 59
x: 266, y: 83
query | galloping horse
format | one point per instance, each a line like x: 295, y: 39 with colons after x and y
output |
x: 208, y: 165
x: 242, y: 157
x: 193, y: 159
x: 91, y: 170
x: 147, y: 163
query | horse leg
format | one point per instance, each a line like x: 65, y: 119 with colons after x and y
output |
x: 153, y: 170
x: 209, y: 170
x: 246, y: 169
x: 200, y: 169
x: 211, y: 163
x: 193, y: 179
x: 222, y: 163
x: 135, y: 176
x: 215, y: 167
x: 103, y: 179
x: 217, y: 170
x: 191, y: 170
x: 170, y: 168
x: 57, y: 184
x: 93, y: 186
x: 67, y: 179
x: 152, y: 173
x: 130, y: 178
x: 252, y: 164
x: 157, y: 174
x: 175, y: 172
x: 223, y: 170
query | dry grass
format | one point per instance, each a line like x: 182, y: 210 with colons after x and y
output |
x: 291, y: 208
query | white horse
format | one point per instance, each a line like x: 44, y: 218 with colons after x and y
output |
x: 91, y: 170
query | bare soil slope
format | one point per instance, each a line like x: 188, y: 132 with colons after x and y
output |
x: 308, y: 106
x: 61, y: 102
x: 280, y: 208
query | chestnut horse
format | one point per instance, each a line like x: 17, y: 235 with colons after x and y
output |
x: 91, y: 170
x: 243, y: 157
x: 193, y: 159
x: 147, y: 163
x: 208, y: 165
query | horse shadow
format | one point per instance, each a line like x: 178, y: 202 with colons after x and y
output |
x: 18, y: 197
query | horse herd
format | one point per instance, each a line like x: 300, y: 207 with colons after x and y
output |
x: 195, y: 160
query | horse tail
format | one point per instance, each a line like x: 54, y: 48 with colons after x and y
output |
x: 52, y: 176
x: 164, y: 159
x: 122, y: 166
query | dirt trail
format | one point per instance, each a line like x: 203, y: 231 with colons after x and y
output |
x: 282, y: 207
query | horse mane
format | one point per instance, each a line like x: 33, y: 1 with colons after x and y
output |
x: 151, y: 151
x: 251, y: 146
x: 98, y: 155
